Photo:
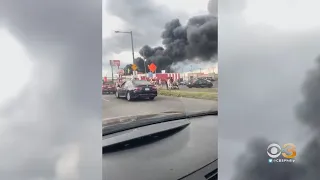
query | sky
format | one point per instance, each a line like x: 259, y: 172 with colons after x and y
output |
x: 50, y: 109
x: 125, y: 15
x: 266, y: 49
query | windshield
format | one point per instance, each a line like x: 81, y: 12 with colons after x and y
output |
x: 152, y: 72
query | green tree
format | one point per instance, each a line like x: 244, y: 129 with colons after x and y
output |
x: 128, y: 69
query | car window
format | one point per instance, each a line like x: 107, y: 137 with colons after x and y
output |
x: 127, y: 84
x: 123, y: 84
x: 204, y: 81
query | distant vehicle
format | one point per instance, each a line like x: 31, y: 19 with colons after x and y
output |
x: 183, y: 83
x: 208, y: 78
x: 136, y: 89
x: 200, y: 83
x: 108, y: 87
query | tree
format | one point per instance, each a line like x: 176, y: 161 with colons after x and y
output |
x: 128, y: 69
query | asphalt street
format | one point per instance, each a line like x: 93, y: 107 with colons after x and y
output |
x: 113, y: 107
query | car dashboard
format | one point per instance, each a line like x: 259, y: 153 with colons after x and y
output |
x: 189, y: 152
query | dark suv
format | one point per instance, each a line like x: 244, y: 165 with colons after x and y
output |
x: 200, y: 83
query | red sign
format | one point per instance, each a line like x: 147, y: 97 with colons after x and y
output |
x: 115, y: 63
x: 121, y: 71
x: 152, y: 67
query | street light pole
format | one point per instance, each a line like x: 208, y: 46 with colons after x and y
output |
x: 132, y: 47
x: 131, y: 35
x: 145, y: 66
x: 182, y: 73
x: 111, y: 71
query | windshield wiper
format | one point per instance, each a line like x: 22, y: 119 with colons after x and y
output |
x: 107, y: 130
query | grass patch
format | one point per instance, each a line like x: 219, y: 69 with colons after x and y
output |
x: 209, y: 95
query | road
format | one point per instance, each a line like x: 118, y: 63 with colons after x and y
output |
x: 113, y: 107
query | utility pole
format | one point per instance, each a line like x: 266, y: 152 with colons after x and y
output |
x: 131, y: 34
x: 111, y: 70
x: 145, y: 61
x: 182, y: 73
x: 145, y: 66
x: 132, y: 46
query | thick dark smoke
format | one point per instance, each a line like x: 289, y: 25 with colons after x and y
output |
x: 51, y: 132
x: 308, y: 165
x: 140, y: 64
x: 309, y: 111
x: 144, y: 17
x: 127, y: 69
x: 156, y: 55
x: 254, y: 166
x: 198, y: 39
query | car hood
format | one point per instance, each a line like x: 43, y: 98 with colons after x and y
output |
x: 131, y: 118
x: 171, y: 158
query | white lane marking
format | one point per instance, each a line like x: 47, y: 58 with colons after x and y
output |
x: 106, y: 99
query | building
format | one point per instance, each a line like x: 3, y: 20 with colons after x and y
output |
x: 208, y: 72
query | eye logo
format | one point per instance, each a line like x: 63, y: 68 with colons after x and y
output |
x: 274, y: 150
x: 288, y: 151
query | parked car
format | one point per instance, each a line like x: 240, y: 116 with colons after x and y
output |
x: 210, y: 79
x: 207, y: 78
x: 200, y: 83
x: 182, y: 83
x: 108, y: 87
x: 136, y: 89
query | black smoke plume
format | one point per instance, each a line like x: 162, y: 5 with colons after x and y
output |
x: 308, y: 166
x: 128, y: 69
x: 140, y: 64
x: 309, y: 111
x: 196, y: 40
